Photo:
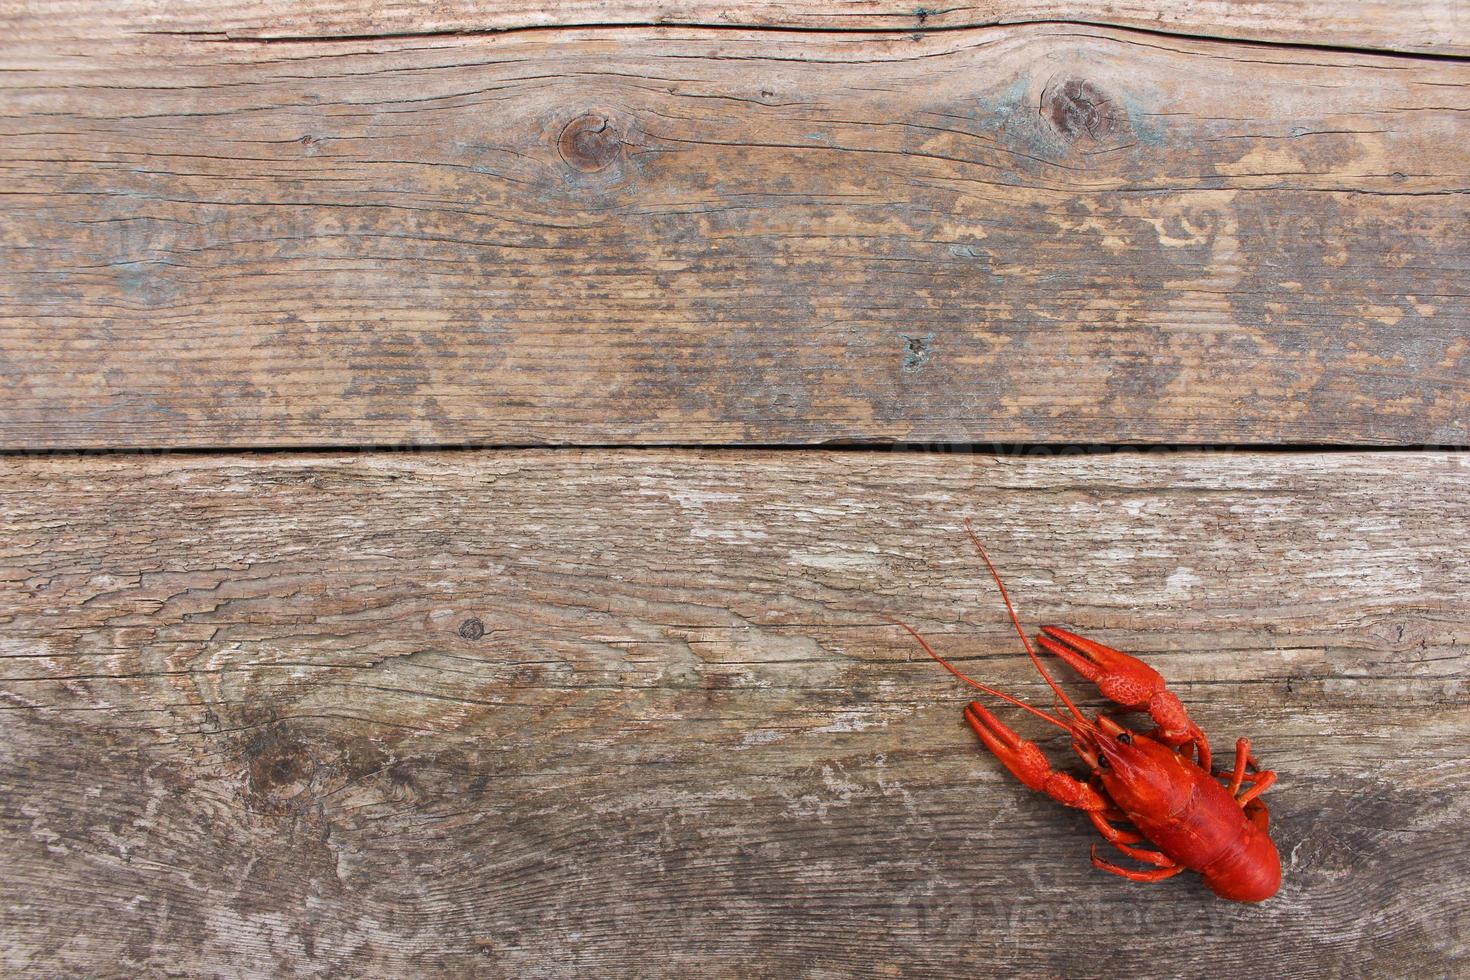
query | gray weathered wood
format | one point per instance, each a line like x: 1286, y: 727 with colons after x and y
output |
x: 1428, y: 26
x: 622, y: 713
x: 1032, y: 233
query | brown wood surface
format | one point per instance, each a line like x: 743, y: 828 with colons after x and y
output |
x: 1046, y: 232
x: 1424, y: 26
x: 639, y: 712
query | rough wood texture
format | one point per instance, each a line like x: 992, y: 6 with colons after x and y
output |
x: 531, y: 713
x: 1427, y: 26
x: 1031, y: 233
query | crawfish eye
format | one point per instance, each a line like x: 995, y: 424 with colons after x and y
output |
x: 1103, y: 763
x: 1126, y: 738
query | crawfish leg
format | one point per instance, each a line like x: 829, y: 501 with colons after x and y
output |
x: 1147, y: 857
x: 1121, y: 839
x: 1155, y: 874
x: 1256, y: 812
x: 1126, y: 680
x: 1113, y: 834
x: 1259, y: 781
x: 1243, y: 758
x: 1254, y: 808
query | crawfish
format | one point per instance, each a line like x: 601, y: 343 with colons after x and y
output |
x: 1160, y: 782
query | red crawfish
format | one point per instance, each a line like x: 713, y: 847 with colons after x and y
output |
x: 1160, y: 782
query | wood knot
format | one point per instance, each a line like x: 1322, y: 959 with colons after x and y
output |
x: 1078, y: 109
x: 279, y: 769
x: 590, y: 143
x: 472, y: 629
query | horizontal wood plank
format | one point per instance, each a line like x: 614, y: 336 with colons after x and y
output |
x: 1423, y: 26
x: 554, y: 712
x: 1042, y: 233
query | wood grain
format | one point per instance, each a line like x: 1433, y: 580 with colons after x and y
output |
x: 553, y: 712
x: 1042, y: 233
x: 1424, y: 26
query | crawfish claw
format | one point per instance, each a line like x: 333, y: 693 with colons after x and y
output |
x: 1119, y: 676
x: 1027, y: 763
x: 1126, y: 680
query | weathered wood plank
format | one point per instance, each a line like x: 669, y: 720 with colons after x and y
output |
x: 1040, y: 233
x: 531, y: 713
x: 1425, y: 26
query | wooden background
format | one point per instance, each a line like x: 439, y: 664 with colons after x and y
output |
x: 459, y: 462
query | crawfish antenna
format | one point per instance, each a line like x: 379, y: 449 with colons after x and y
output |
x: 1014, y: 619
x: 976, y: 684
